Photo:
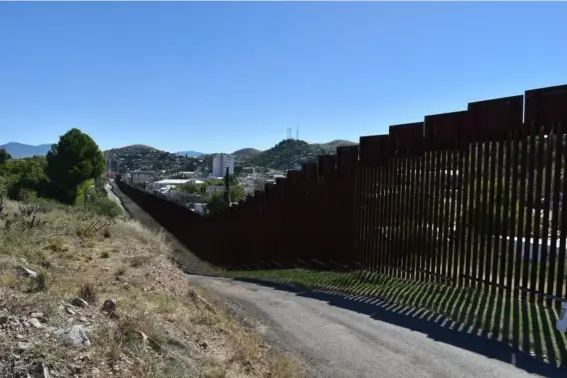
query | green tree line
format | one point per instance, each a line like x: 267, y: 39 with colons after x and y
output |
x: 71, y: 170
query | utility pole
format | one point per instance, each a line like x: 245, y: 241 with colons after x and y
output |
x: 227, y: 187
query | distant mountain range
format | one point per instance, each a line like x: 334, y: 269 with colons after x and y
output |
x: 190, y: 153
x: 20, y: 150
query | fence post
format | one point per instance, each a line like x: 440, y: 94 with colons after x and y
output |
x: 347, y: 162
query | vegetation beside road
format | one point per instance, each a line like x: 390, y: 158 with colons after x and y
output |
x: 160, y: 327
x: 87, y: 292
x: 70, y: 173
x: 527, y: 326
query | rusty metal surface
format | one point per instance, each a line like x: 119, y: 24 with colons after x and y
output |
x: 373, y: 149
x: 493, y: 119
x: 442, y: 131
x: 407, y: 139
x: 546, y: 105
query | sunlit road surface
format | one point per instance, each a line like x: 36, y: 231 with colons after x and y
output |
x: 369, y: 340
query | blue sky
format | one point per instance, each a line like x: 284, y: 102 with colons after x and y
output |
x: 222, y: 76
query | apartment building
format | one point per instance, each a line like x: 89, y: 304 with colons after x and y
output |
x: 220, y: 163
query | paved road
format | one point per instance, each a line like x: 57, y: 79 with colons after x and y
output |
x: 369, y: 340
x: 111, y: 194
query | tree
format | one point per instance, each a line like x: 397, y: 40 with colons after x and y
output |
x: 73, y: 160
x: 233, y: 179
x: 4, y: 156
x: 216, y: 203
x: 237, y: 193
x: 190, y: 188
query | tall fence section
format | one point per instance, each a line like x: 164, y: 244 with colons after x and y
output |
x: 470, y: 198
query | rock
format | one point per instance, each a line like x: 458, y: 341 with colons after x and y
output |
x: 109, y: 305
x: 6, y: 368
x: 3, y: 317
x: 204, y: 344
x: 79, y: 302
x: 45, y: 371
x: 37, y: 315
x: 83, y: 319
x: 34, y: 322
x: 69, y: 311
x: 75, y: 336
x: 28, y: 272
x: 22, y: 347
x: 144, y: 336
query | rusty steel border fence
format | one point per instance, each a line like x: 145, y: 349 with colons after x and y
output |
x: 472, y: 198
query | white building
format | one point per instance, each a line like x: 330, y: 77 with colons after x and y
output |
x: 168, y: 183
x: 141, y: 176
x: 220, y: 163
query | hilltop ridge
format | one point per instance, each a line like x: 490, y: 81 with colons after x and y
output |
x: 20, y: 150
x: 285, y: 155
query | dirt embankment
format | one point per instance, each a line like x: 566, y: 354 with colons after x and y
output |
x: 84, y: 296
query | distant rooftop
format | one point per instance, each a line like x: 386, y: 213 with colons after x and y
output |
x: 173, y: 181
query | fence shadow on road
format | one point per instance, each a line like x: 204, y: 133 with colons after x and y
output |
x: 437, y: 327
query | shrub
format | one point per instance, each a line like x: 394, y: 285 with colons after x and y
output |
x: 105, y: 207
x: 88, y: 293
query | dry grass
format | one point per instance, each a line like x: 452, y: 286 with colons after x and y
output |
x: 163, y: 326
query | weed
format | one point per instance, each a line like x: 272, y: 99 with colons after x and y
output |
x: 57, y: 245
x: 138, y: 261
x: 106, y: 233
x: 88, y: 293
x: 92, y: 229
x: 105, y: 254
x: 43, y: 260
x: 120, y: 271
x: 38, y: 283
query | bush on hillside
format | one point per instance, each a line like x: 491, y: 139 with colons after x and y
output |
x: 4, y: 156
x: 72, y: 161
x: 105, y: 207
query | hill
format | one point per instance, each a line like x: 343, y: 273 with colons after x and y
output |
x: 331, y: 146
x: 291, y: 153
x: 246, y: 152
x: 136, y: 147
x: 288, y: 154
x: 147, y: 158
x: 20, y: 150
